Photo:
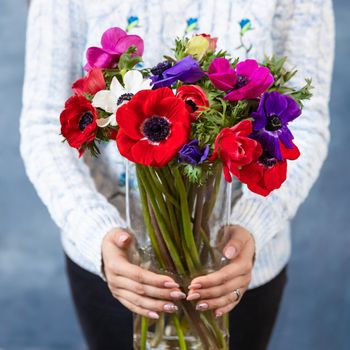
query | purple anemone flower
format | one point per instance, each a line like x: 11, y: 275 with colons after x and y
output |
x: 115, y: 42
x: 187, y: 70
x: 192, y: 153
x: 270, y: 125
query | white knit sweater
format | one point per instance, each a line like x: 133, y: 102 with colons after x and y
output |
x: 79, y: 194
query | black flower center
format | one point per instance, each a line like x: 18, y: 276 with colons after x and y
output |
x: 242, y: 80
x: 274, y: 123
x: 85, y: 120
x: 267, y: 159
x: 125, y: 97
x: 193, y: 106
x: 156, y: 128
x: 161, y: 67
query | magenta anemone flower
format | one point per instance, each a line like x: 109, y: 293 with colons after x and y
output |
x: 247, y: 81
x: 115, y: 42
x: 221, y: 74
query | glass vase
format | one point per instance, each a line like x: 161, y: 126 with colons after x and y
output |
x: 180, y: 230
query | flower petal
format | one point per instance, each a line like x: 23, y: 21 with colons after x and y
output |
x: 106, y: 100
x: 130, y: 40
x: 111, y: 37
x: 151, y: 105
x: 129, y: 121
x: 98, y: 58
x: 247, y: 67
x: 133, y: 80
x: 116, y: 88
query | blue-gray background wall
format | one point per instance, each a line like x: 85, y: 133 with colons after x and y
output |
x: 35, y: 308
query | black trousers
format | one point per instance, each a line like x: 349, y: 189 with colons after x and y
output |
x: 107, y: 324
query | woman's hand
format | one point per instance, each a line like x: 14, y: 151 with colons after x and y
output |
x: 216, y: 291
x: 141, y: 291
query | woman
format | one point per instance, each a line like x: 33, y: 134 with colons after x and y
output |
x: 81, y: 195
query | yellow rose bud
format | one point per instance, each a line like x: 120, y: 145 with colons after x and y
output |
x: 197, y: 46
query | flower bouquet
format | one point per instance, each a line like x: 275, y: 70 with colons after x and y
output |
x: 189, y: 126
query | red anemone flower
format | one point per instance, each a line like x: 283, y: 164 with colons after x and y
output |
x: 235, y: 148
x: 153, y: 127
x: 91, y: 84
x: 78, y: 122
x: 267, y: 173
x: 195, y: 98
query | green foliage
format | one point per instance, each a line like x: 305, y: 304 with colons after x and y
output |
x: 282, y: 78
x: 180, y: 48
x: 127, y: 61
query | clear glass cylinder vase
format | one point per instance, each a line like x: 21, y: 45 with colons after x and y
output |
x: 179, y: 230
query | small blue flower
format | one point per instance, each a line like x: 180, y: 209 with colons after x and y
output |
x: 133, y: 21
x: 121, y: 179
x: 192, y: 24
x: 245, y: 25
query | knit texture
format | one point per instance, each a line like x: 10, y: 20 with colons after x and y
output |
x: 82, y: 196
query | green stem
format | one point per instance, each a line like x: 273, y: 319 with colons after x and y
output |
x: 153, y: 196
x: 147, y: 218
x: 169, y: 264
x: 144, y: 329
x: 180, y: 333
x: 186, y: 219
x: 198, y: 212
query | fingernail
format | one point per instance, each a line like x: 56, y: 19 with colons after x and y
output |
x: 123, y: 238
x: 193, y: 296
x: 218, y: 314
x: 177, y: 295
x: 195, y: 286
x: 202, y: 306
x: 170, y: 284
x: 230, y: 252
x: 153, y: 315
x: 170, y: 307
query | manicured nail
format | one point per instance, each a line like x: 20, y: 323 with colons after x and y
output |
x: 170, y: 307
x: 153, y: 315
x: 202, y: 306
x: 177, y: 295
x: 193, y: 296
x: 123, y: 238
x: 230, y: 252
x: 170, y: 284
x: 195, y: 286
x: 218, y: 314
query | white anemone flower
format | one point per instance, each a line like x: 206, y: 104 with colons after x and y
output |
x: 110, y: 100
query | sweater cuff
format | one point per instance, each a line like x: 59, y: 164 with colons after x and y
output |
x: 259, y: 217
x: 90, y: 232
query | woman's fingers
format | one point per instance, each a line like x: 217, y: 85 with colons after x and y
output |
x: 138, y: 310
x: 144, y: 302
x: 238, y: 267
x: 221, y: 302
x: 224, y: 310
x: 116, y: 263
x: 218, y: 291
x: 147, y: 290
x: 122, y: 267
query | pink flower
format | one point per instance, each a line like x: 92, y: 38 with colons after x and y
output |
x: 247, y: 81
x: 221, y: 74
x: 115, y: 42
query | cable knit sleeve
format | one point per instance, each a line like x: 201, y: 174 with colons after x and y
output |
x: 303, y: 30
x: 54, y: 50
